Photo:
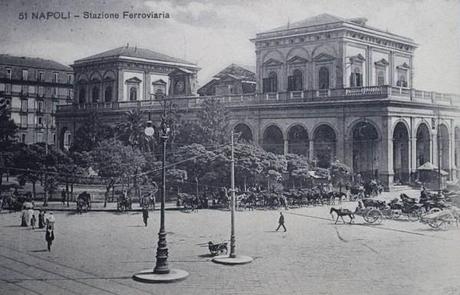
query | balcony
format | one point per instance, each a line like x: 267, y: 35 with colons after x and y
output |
x: 305, y: 96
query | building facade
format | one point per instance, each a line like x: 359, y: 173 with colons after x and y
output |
x: 132, y: 74
x: 33, y: 88
x: 234, y: 79
x: 335, y: 89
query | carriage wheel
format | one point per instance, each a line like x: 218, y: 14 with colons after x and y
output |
x: 373, y: 216
x: 223, y: 251
x: 395, y: 214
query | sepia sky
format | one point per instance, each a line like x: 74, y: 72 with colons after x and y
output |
x: 214, y: 34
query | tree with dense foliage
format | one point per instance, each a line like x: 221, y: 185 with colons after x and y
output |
x: 91, y: 133
x: 8, y: 131
x: 211, y: 127
x: 113, y: 160
x: 131, y: 131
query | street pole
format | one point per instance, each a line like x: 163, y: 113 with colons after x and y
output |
x: 161, y: 266
x: 45, y: 202
x: 232, y: 233
x: 438, y: 140
x: 161, y: 272
x: 232, y: 259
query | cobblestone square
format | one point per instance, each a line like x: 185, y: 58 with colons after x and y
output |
x: 97, y: 253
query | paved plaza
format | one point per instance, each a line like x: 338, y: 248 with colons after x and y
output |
x: 98, y: 252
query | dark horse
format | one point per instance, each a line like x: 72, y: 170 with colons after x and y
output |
x: 341, y: 213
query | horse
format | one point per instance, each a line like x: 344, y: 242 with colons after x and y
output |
x: 341, y: 213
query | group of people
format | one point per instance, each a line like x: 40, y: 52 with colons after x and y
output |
x: 45, y: 220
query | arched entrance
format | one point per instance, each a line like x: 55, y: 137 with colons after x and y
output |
x: 298, y: 141
x: 65, y: 138
x: 365, y: 150
x: 324, y: 146
x: 401, y: 153
x: 273, y: 140
x: 422, y: 145
x: 244, y: 132
x: 444, y: 147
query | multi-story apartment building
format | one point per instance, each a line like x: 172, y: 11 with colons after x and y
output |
x: 34, y: 87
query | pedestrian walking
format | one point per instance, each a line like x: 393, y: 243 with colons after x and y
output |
x: 49, y: 236
x: 33, y: 220
x: 145, y: 214
x: 63, y: 196
x: 41, y: 219
x: 281, y: 222
x: 50, y: 220
x: 24, y: 218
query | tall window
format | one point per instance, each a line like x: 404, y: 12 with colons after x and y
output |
x: 108, y: 93
x: 69, y: 79
x: 295, y: 82
x: 8, y: 73
x: 41, y: 76
x: 323, y: 78
x: 81, y: 95
x: 380, y: 78
x: 270, y: 84
x: 402, y: 77
x: 95, y: 94
x: 25, y: 75
x: 55, y: 77
x: 356, y: 78
x: 133, y: 93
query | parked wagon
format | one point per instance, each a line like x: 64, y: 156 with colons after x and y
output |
x: 217, y: 249
x: 441, y: 219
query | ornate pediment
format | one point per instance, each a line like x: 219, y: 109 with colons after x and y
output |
x: 382, y: 63
x: 324, y: 57
x: 297, y: 60
x: 272, y: 62
x: 159, y: 82
x: 134, y: 80
x: 357, y: 58
x: 404, y: 66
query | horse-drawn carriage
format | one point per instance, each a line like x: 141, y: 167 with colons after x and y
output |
x: 441, y: 219
x: 83, y: 202
x: 124, y: 202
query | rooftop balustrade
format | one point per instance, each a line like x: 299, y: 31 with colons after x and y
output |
x: 304, y: 96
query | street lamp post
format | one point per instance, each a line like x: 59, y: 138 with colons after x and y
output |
x: 161, y: 272
x: 232, y: 258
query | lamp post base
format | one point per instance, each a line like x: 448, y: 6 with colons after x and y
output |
x: 239, y: 259
x: 148, y: 276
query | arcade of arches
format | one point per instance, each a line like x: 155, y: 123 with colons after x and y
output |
x: 406, y: 148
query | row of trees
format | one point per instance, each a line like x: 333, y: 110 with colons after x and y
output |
x: 198, y: 155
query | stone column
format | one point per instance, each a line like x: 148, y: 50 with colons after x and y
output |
x: 286, y: 146
x: 452, y: 152
x: 386, y: 154
x: 311, y: 145
x: 434, y: 145
x: 391, y: 65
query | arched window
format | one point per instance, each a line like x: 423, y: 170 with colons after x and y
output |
x: 133, y: 93
x: 81, y: 95
x: 380, y: 78
x: 295, y: 81
x: 323, y: 78
x: 95, y: 94
x: 108, y: 93
x: 270, y: 84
